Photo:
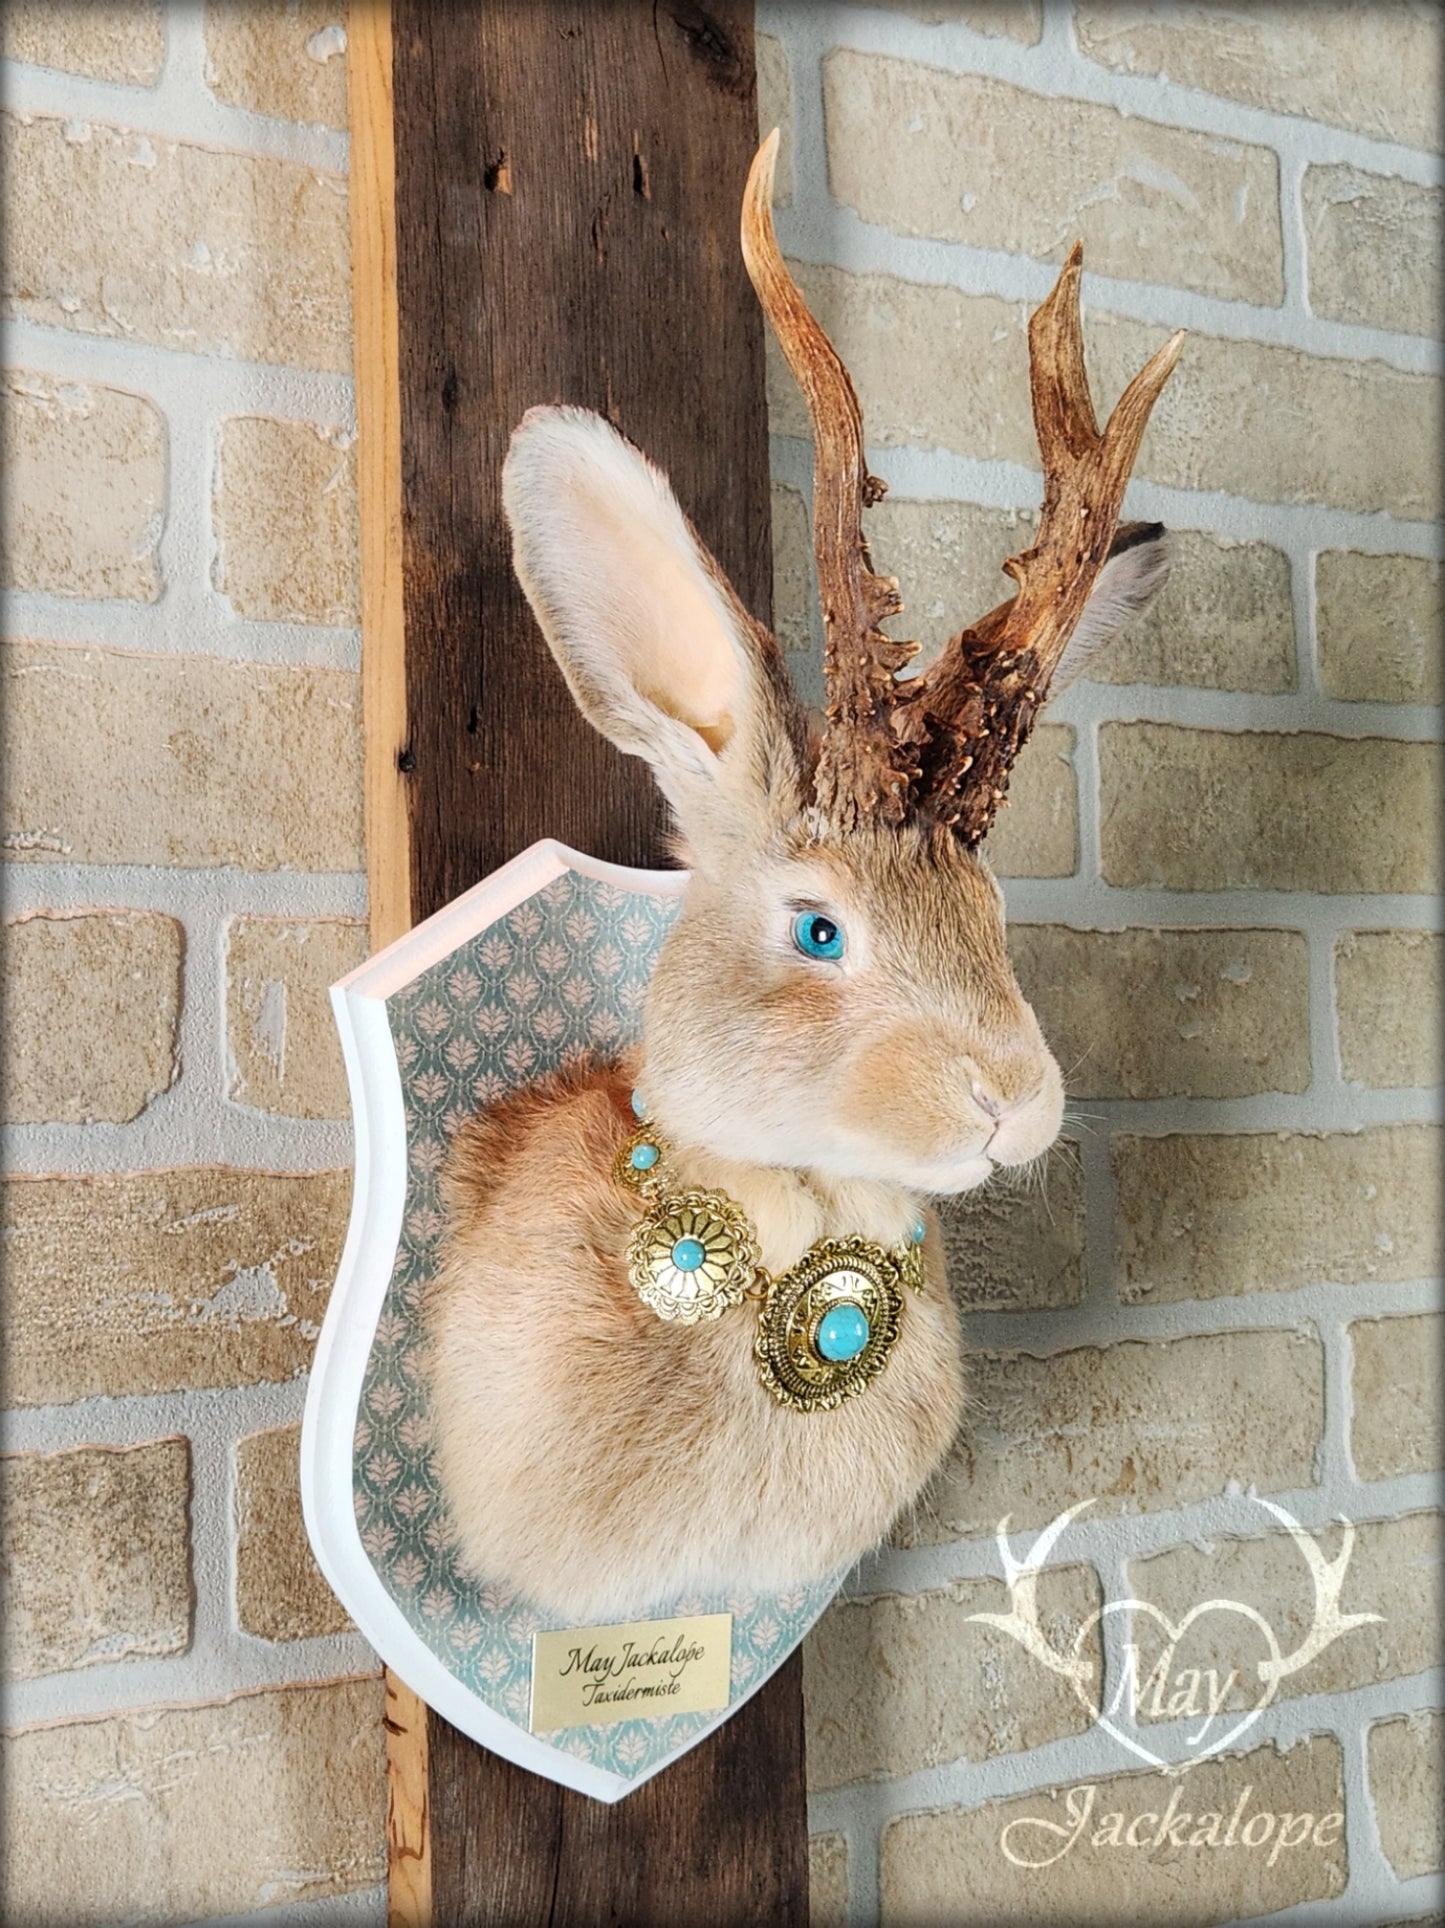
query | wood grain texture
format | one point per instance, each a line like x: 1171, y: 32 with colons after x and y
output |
x: 408, y: 1807
x: 378, y: 418
x: 568, y: 194
x: 718, y: 1841
x: 383, y: 697
x: 568, y: 186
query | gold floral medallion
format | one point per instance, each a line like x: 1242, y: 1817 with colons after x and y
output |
x: 692, y: 1256
x: 828, y: 1324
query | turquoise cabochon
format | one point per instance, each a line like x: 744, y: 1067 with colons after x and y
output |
x: 557, y: 979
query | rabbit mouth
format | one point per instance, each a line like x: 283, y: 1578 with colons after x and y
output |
x: 958, y: 1175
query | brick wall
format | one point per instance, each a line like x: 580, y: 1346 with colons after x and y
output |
x: 1221, y: 862
x: 182, y: 801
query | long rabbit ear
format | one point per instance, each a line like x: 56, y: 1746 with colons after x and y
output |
x: 654, y: 644
x: 1137, y: 569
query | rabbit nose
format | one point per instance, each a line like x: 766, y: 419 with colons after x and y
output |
x: 986, y: 1101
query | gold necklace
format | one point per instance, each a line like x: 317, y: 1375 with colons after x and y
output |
x: 825, y: 1326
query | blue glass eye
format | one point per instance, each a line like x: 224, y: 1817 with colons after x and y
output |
x: 816, y: 935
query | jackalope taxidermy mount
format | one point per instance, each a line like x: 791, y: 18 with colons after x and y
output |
x: 692, y: 1331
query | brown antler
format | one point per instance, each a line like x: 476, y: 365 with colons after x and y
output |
x: 862, y: 769
x: 968, y: 715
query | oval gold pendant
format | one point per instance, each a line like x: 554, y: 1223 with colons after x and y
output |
x: 693, y: 1256
x: 828, y: 1325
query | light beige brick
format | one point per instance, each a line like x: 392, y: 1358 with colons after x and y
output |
x: 1019, y: 1249
x: 1037, y: 834
x: 1369, y: 65
x: 949, y: 1866
x: 775, y: 109
x: 1277, y: 425
x: 1380, y: 620
x: 120, y: 758
x: 1169, y: 1013
x: 1397, y: 1421
x: 285, y: 519
x: 1138, y: 1426
x: 1223, y: 621
x: 940, y: 369
x: 124, y: 42
x: 287, y: 61
x: 96, y: 1564
x: 1188, y: 809
x: 1388, y: 996
x: 1020, y: 20
x: 285, y: 1052
x: 93, y: 1008
x: 1404, y: 1771
x: 828, y: 1881
x: 792, y: 571
x: 1205, y: 1215
x: 904, y: 1682
x: 958, y: 157
x: 948, y: 558
x: 195, y: 248
x: 85, y: 498
x: 1394, y: 1570
x: 1373, y: 247
x: 280, y: 1594
x: 155, y: 1281
x: 175, y: 1814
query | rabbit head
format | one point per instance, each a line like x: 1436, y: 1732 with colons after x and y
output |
x: 836, y: 994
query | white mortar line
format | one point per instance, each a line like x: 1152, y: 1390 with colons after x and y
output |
x: 185, y: 893
x: 1110, y: 1541
x: 195, y: 394
x: 1095, y: 1756
x: 1101, y: 1320
x: 179, y: 107
x: 220, y: 1659
x: 836, y: 236
x: 130, y: 1419
x: 944, y: 475
x: 175, y: 378
x: 180, y: 1129
x: 360, y: 1908
x: 1056, y: 68
x: 188, y: 623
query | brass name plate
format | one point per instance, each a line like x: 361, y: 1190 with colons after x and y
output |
x: 590, y: 1676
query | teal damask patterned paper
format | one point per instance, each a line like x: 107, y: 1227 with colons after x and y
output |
x: 560, y: 979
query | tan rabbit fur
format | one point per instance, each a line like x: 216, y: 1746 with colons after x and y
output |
x: 594, y: 1456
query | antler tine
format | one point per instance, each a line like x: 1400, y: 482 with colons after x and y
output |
x: 971, y: 711
x: 861, y: 770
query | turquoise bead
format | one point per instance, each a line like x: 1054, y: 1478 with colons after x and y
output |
x: 842, y: 1333
x: 918, y: 1231
x: 639, y: 1105
x: 688, y: 1254
x: 644, y: 1157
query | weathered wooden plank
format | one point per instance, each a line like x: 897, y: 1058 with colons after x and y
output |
x: 568, y: 186
x: 717, y: 1841
x: 378, y: 417
x: 568, y: 180
x: 383, y: 690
